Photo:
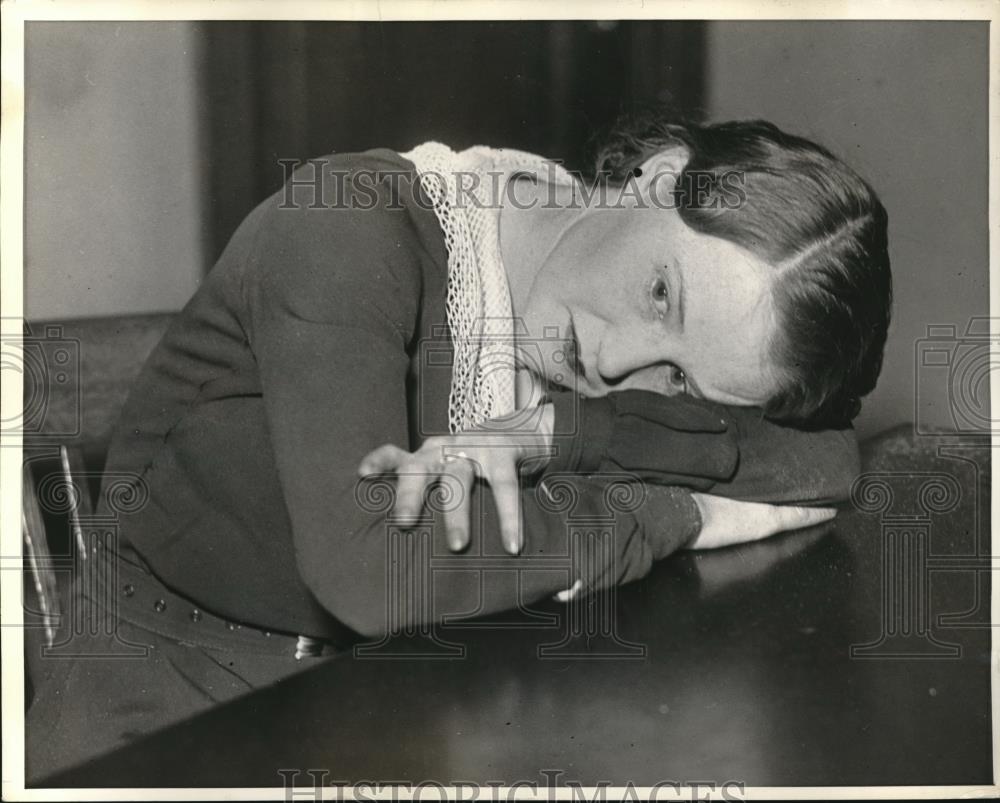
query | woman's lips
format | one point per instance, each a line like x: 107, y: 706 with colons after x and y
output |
x: 572, y: 353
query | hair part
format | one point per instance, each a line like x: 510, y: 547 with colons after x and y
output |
x: 804, y: 211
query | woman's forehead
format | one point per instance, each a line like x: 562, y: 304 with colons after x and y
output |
x: 729, y: 324
x: 708, y: 251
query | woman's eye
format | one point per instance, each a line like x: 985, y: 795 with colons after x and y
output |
x: 678, y: 378
x: 661, y: 296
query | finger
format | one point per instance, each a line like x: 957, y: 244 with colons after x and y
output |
x: 507, y: 496
x: 411, y: 489
x: 388, y: 457
x: 794, y: 518
x: 569, y: 593
x: 459, y: 476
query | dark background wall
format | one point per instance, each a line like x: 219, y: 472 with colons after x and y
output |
x: 147, y: 143
x: 295, y: 90
x: 905, y: 103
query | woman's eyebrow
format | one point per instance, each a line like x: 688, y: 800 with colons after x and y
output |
x: 680, y: 293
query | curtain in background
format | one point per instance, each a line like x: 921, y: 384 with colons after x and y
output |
x: 295, y: 90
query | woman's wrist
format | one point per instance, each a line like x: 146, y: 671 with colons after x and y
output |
x: 671, y: 519
x: 537, y: 443
x: 581, y: 432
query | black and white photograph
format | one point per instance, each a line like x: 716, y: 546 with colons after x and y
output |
x: 502, y: 401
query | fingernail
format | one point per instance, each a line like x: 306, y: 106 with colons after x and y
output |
x: 456, y: 541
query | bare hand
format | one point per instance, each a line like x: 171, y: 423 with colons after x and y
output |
x: 497, y: 453
x: 728, y: 521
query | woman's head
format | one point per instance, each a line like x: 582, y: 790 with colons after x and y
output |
x: 778, y: 249
x: 815, y: 221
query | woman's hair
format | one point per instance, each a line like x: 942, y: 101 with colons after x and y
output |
x: 801, y: 209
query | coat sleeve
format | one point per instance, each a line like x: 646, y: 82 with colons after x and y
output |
x: 333, y: 299
x: 711, y: 448
x: 786, y: 465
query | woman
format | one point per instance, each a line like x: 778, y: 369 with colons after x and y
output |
x: 355, y: 333
x: 789, y: 305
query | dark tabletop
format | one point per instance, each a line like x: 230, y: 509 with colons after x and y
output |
x: 858, y: 655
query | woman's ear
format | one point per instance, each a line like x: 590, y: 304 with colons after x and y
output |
x: 664, y: 168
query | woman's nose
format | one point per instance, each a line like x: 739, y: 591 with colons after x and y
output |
x: 623, y: 356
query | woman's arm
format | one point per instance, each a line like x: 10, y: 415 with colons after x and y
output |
x: 727, y: 451
x: 504, y: 448
x: 786, y: 465
x: 332, y: 304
